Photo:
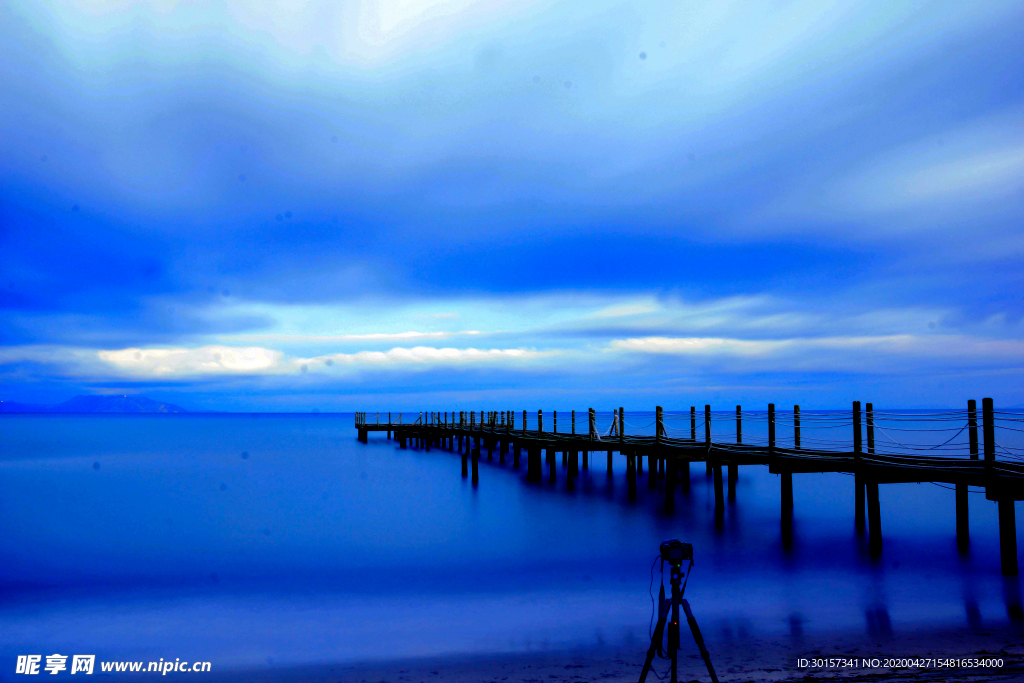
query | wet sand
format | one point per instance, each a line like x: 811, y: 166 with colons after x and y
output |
x: 748, y: 660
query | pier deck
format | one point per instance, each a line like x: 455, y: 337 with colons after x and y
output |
x: 1002, y: 479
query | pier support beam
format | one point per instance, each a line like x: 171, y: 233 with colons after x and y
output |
x: 533, y: 465
x: 874, y: 519
x: 652, y: 472
x: 684, y: 466
x: 476, y: 467
x: 787, y: 508
x: 574, y: 469
x: 787, y: 491
x: 963, y: 527
x: 719, y: 497
x: 610, y: 464
x: 733, y: 469
x: 631, y: 474
x: 1007, y: 537
x: 362, y: 435
x: 709, y: 468
x: 670, y: 485
x: 552, y: 470
x: 858, y: 506
x: 515, y: 455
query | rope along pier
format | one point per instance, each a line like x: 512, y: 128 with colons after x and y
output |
x: 876, y: 447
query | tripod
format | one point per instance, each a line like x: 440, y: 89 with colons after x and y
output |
x: 674, y: 553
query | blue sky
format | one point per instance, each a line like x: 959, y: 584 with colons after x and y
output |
x: 456, y: 204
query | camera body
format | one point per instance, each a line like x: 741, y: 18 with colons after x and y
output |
x: 676, y: 552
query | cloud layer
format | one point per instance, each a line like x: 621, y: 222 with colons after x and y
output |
x: 468, y: 199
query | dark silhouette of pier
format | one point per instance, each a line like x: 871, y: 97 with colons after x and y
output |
x: 669, y: 448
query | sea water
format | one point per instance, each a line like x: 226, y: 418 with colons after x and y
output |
x: 266, y: 540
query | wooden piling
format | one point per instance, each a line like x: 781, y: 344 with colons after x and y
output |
x: 1007, y: 537
x: 622, y: 438
x: 739, y: 424
x: 574, y: 471
x: 631, y: 474
x: 716, y: 468
x: 670, y: 484
x: 693, y: 423
x: 733, y: 467
x: 796, y: 427
x: 476, y: 467
x: 659, y: 429
x: 972, y: 427
x: 787, y: 491
x: 963, y: 528
x: 787, y: 509
x: 869, y: 418
x: 874, y: 519
x: 859, y: 484
x: 1007, y: 513
x: 707, y: 441
x: 533, y: 464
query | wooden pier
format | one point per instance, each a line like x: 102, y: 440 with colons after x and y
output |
x: 668, y: 459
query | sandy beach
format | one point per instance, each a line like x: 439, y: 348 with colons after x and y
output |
x: 757, y: 660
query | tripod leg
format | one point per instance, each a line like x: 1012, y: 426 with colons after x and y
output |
x: 659, y: 631
x: 700, y: 641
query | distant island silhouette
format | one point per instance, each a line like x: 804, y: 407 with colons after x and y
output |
x: 96, y: 404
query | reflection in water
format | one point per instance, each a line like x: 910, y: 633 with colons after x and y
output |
x: 796, y: 627
x: 1011, y: 594
x: 878, y: 622
x: 973, y: 613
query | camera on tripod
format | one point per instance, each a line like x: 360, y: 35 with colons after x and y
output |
x: 676, y: 552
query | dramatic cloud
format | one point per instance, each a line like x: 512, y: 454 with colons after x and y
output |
x: 252, y: 360
x: 208, y: 360
x: 878, y: 354
x: 476, y: 199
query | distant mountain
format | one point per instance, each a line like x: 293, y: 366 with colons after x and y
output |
x: 96, y: 404
x: 14, y: 407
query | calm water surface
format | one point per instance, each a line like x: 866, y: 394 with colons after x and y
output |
x: 275, y: 539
